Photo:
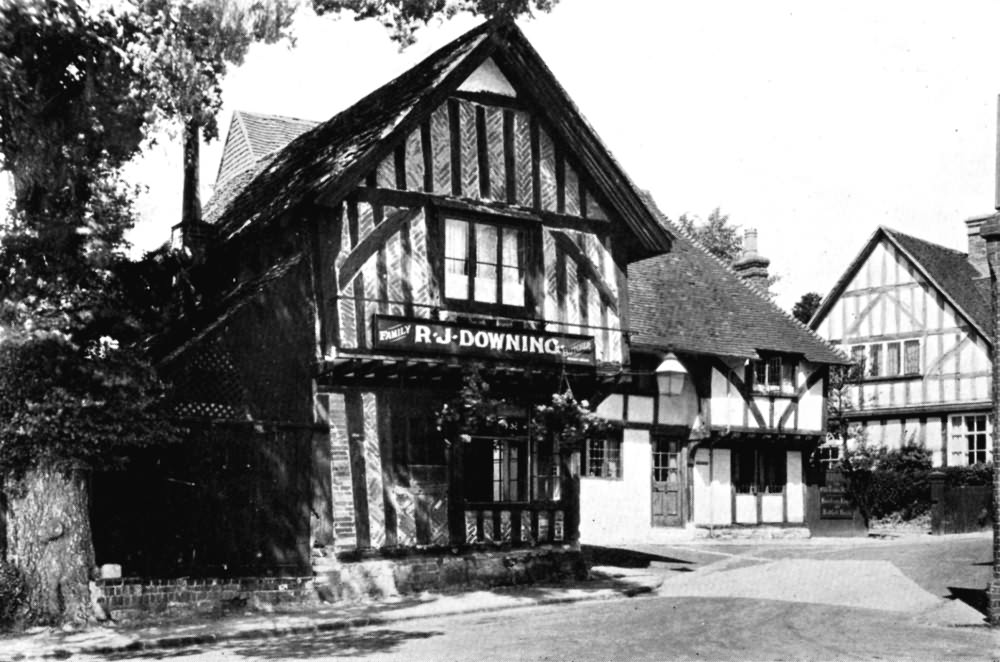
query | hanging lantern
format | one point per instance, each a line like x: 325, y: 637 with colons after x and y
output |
x: 670, y: 375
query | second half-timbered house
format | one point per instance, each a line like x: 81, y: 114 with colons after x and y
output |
x: 916, y: 317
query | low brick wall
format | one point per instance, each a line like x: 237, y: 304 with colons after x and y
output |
x: 133, y: 599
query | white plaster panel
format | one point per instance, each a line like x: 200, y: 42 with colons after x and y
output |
x: 883, y: 391
x: 948, y: 318
x: 934, y: 441
x: 887, y: 312
x: 980, y: 388
x: 488, y: 78
x: 967, y: 357
x: 700, y: 489
x: 746, y: 509
x: 718, y: 403
x: 722, y: 511
x: 764, y: 407
x: 640, y: 409
x: 734, y: 408
x: 772, y: 508
x: 950, y: 392
x: 618, y: 510
x: 612, y: 407
x: 794, y: 489
x: 712, y: 491
x: 981, y: 355
x: 811, y: 408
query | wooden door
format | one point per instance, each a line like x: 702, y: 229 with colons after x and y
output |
x: 667, y: 486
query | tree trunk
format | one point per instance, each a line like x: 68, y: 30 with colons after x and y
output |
x: 49, y: 539
x: 191, y: 200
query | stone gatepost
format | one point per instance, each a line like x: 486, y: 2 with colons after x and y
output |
x: 990, y: 231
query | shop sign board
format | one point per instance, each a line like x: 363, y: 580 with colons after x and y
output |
x: 409, y: 334
x: 834, y: 500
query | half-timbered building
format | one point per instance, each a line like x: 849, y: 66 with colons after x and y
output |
x: 916, y: 317
x: 723, y: 412
x: 464, y: 213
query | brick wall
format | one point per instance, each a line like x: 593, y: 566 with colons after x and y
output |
x: 132, y: 598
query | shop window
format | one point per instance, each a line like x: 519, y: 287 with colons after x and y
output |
x: 496, y: 469
x: 974, y: 431
x: 603, y: 457
x: 772, y: 375
x: 759, y: 471
x: 484, y: 263
x: 544, y: 473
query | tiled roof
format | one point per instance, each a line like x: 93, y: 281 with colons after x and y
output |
x: 689, y: 301
x: 335, y: 148
x: 325, y: 162
x: 253, y: 136
x: 952, y: 273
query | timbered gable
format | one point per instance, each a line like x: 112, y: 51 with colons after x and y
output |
x: 747, y: 397
x: 914, y: 316
x: 916, y: 343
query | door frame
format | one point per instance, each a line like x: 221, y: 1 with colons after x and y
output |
x: 682, y: 478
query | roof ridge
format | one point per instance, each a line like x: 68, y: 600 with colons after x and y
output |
x: 732, y: 272
x: 275, y: 116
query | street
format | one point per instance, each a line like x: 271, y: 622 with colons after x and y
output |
x: 636, y: 629
x: 675, y: 627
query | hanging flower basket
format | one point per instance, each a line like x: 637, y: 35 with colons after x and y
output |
x: 565, y: 422
x: 568, y: 423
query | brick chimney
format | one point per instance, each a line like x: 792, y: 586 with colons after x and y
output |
x: 977, y: 244
x: 751, y: 265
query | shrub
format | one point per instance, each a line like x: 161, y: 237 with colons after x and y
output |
x: 974, y: 474
x: 13, y: 593
x: 890, y: 482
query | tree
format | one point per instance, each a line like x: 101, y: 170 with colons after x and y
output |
x: 72, y: 391
x: 187, y: 48
x: 715, y: 234
x: 404, y: 17
x: 80, y: 89
x: 806, y: 307
x: 718, y: 237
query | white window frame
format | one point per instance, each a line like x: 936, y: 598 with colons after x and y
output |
x: 969, y: 441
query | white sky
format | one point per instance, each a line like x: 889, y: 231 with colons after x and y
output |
x: 812, y: 121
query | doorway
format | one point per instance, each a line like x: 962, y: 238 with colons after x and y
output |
x: 667, y: 484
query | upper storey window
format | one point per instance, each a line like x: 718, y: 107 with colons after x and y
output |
x: 484, y: 263
x: 890, y: 359
x: 774, y: 374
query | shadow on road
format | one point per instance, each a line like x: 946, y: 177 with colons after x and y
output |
x: 348, y: 644
x: 974, y: 597
x: 625, y: 558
